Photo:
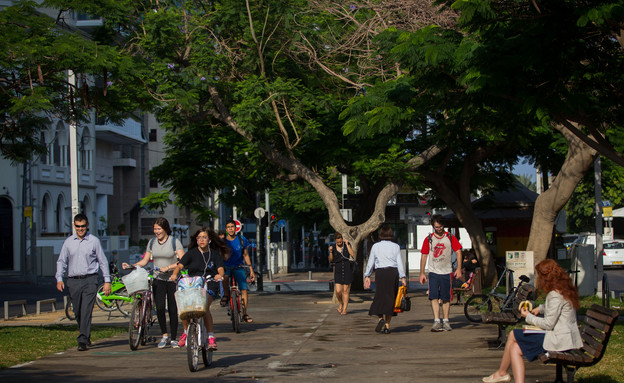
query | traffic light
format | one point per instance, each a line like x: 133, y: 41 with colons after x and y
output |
x: 272, y: 220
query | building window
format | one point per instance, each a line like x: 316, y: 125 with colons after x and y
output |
x: 147, y: 226
x: 153, y: 136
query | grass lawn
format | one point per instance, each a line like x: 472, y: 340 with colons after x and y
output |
x: 19, y: 344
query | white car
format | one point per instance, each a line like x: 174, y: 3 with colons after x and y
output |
x: 613, y: 253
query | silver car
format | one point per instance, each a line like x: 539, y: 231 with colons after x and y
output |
x: 613, y: 253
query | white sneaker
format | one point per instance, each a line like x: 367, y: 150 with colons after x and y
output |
x: 163, y: 342
x: 174, y: 344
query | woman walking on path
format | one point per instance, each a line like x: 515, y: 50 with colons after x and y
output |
x: 560, y: 333
x: 342, y: 256
x: 385, y: 260
x: 165, y: 250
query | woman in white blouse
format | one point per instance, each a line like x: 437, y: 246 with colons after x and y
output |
x: 385, y: 260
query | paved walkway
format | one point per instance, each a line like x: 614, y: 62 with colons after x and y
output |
x: 296, y: 336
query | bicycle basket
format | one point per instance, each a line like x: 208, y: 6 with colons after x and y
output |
x: 191, y: 302
x: 136, y: 281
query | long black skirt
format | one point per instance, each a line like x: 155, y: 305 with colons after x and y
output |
x: 386, y: 288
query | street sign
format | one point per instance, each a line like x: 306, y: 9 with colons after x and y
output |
x: 259, y: 212
x: 239, y: 225
x: 281, y: 223
x: 606, y: 203
x: 607, y: 211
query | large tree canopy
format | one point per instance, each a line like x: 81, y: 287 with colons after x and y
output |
x: 36, y: 54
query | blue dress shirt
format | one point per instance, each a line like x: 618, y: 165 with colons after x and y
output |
x: 82, y: 257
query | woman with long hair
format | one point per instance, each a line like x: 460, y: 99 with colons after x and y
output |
x: 560, y: 333
x: 385, y: 259
x: 165, y: 250
x: 205, y: 258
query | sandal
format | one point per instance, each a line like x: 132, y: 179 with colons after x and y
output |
x: 247, y: 318
x: 224, y: 301
x: 380, y: 325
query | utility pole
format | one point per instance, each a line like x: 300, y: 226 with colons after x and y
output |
x: 73, y: 152
x: 598, y: 212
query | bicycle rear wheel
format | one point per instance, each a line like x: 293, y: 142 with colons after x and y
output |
x: 192, y: 346
x: 135, y: 326
x: 475, y: 306
x: 103, y: 303
x: 69, y: 309
x: 235, y: 310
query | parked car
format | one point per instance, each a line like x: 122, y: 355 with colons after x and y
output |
x: 613, y: 253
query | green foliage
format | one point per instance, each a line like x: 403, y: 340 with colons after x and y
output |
x: 36, y: 53
x: 156, y: 200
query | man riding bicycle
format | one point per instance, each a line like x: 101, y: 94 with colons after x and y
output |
x: 235, y: 266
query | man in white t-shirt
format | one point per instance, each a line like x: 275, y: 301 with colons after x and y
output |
x: 437, y: 253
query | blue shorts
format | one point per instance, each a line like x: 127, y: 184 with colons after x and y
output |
x: 240, y: 275
x: 440, y: 287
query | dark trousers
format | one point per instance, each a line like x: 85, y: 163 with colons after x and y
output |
x: 166, y: 290
x: 82, y: 292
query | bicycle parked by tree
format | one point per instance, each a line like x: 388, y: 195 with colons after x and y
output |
x: 478, y: 304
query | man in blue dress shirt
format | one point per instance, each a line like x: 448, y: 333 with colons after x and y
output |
x: 81, y: 257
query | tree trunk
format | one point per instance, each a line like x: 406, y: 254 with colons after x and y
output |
x: 579, y: 160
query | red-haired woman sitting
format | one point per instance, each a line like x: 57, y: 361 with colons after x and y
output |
x: 559, y: 322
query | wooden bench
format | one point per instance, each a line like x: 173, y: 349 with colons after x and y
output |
x: 474, y: 287
x: 595, y: 331
x: 509, y: 318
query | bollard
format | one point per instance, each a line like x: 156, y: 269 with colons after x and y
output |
x: 310, y: 275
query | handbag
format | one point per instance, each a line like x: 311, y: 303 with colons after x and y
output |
x: 398, y: 302
x: 406, y: 303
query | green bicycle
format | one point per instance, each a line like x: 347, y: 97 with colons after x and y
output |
x: 118, y: 296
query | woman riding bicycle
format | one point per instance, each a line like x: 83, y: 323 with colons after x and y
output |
x: 204, y: 259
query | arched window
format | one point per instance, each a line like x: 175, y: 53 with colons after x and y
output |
x: 62, y: 222
x: 60, y: 145
x: 47, y: 214
x: 6, y: 234
x: 86, y: 154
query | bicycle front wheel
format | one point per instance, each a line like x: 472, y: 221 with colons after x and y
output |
x: 69, y: 310
x: 103, y: 302
x: 207, y: 356
x: 236, y: 311
x: 192, y: 346
x: 475, y: 306
x: 135, y: 326
x: 123, y: 305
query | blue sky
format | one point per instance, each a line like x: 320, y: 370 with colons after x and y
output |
x: 524, y: 169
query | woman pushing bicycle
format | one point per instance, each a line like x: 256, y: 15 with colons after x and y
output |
x: 205, y: 259
x: 165, y: 250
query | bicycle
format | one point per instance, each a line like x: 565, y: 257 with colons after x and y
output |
x: 196, y: 341
x: 69, y: 309
x: 118, y: 296
x: 141, y: 317
x: 477, y: 304
x: 235, y: 311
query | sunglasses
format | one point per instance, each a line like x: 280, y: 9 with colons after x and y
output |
x: 79, y: 226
